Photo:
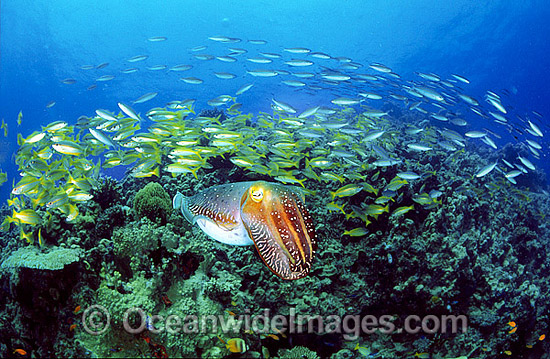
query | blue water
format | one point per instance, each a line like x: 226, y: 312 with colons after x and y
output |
x: 497, y: 45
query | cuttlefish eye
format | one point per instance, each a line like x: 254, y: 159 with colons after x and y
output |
x: 257, y: 194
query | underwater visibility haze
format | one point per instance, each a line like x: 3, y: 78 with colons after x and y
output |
x: 260, y: 179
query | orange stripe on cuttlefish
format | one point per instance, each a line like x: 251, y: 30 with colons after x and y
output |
x: 273, y: 227
x: 302, y: 224
x: 277, y: 226
x: 265, y: 214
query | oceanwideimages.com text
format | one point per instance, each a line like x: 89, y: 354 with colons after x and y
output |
x: 96, y: 320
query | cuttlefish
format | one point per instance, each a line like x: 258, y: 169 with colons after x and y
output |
x: 271, y: 216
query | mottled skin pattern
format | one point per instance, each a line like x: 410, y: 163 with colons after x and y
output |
x: 219, y: 203
x: 216, y: 210
x: 272, y: 215
x: 280, y: 226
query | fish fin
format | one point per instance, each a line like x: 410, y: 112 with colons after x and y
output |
x: 177, y: 201
x: 6, y: 224
x: 184, y: 206
x: 299, y: 192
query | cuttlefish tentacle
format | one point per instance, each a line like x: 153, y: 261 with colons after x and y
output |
x: 281, y: 228
x: 269, y: 215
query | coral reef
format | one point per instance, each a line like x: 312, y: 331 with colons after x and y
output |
x: 108, y: 194
x: 55, y: 258
x: 297, y: 353
x: 41, y: 284
x: 153, y: 202
x: 478, y: 249
x: 214, y: 113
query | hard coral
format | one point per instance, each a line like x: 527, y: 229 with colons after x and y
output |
x: 298, y: 352
x: 108, y: 194
x: 153, y: 202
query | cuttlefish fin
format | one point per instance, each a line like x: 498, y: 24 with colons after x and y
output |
x: 214, y: 219
x: 181, y: 202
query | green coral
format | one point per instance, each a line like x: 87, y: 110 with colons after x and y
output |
x: 298, y: 353
x: 138, y: 293
x: 141, y: 237
x: 153, y: 202
x: 118, y: 298
x: 55, y: 258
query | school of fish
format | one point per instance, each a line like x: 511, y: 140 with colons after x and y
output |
x: 372, y: 121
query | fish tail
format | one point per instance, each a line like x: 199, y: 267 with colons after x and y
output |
x: 26, y: 236
x: 342, y: 210
x: 217, y: 119
x: 6, y: 224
